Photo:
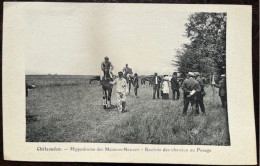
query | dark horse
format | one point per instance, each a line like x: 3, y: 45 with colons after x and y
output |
x: 107, y: 89
x: 94, y: 78
x: 147, y: 78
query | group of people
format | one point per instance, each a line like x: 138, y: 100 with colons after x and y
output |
x: 193, y: 90
x: 192, y: 86
x: 121, y: 82
x: 163, y: 84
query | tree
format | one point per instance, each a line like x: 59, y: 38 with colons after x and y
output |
x: 206, y: 52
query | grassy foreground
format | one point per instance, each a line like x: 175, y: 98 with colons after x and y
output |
x: 73, y: 112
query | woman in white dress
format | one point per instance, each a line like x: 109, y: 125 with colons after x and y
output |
x: 165, y: 88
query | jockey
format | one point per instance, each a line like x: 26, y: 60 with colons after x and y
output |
x: 127, y: 71
x: 107, y: 65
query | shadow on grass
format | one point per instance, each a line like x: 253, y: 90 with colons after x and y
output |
x: 112, y: 108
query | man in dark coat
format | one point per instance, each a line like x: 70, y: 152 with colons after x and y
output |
x: 190, y: 87
x: 222, y: 90
x: 156, y: 85
x: 135, y: 83
x: 200, y: 95
x: 27, y: 86
x: 175, y: 86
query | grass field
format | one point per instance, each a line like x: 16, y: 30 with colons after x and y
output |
x: 68, y: 109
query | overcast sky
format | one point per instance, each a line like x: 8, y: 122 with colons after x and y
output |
x: 69, y: 40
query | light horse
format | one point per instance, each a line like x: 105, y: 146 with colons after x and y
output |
x: 128, y: 75
x: 107, y: 89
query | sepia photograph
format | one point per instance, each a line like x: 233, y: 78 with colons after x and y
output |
x: 126, y: 76
x: 124, y: 82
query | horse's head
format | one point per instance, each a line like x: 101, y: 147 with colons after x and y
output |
x: 106, y: 74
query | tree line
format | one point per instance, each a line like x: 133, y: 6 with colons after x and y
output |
x: 206, y: 51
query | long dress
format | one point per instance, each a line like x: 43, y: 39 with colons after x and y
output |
x: 165, y: 90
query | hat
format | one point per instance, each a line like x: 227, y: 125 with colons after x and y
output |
x: 197, y: 74
x: 175, y: 73
x: 191, y: 74
x: 106, y: 57
x: 135, y: 74
x: 223, y: 75
x: 120, y: 72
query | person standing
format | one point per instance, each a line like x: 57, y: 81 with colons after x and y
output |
x: 200, y: 95
x: 107, y: 66
x: 120, y: 92
x: 175, y: 86
x: 27, y: 87
x: 190, y: 87
x: 156, y: 85
x: 165, y: 88
x: 222, y: 90
x: 136, y: 84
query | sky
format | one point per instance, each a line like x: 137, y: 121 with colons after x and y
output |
x: 69, y: 40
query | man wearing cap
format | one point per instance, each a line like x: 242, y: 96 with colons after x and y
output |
x: 136, y: 84
x: 120, y: 91
x: 175, y: 86
x: 156, y: 85
x: 190, y: 87
x: 222, y: 90
x: 107, y: 66
x: 200, y: 95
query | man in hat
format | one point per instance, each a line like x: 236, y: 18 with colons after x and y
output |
x: 136, y: 84
x: 107, y: 66
x: 120, y: 91
x: 190, y: 87
x: 175, y: 86
x: 222, y: 90
x: 156, y: 85
x: 200, y: 95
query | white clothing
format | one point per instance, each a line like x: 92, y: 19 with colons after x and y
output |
x: 120, y: 85
x: 165, y: 87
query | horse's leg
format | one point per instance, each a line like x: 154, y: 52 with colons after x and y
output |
x: 109, y: 98
x: 129, y: 87
x: 104, y: 99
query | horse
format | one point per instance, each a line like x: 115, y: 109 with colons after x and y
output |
x: 149, y: 79
x: 107, y: 89
x: 94, y: 78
